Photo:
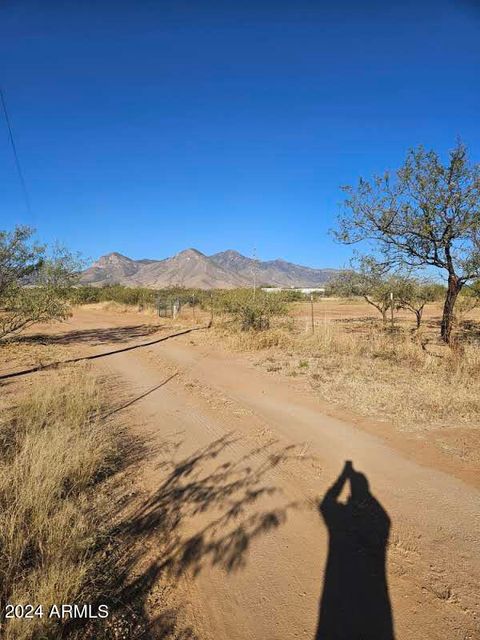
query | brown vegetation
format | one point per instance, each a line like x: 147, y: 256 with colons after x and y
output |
x: 164, y: 523
x: 403, y: 377
x: 55, y: 449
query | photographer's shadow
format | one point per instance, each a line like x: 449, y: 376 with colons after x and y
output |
x: 355, y: 604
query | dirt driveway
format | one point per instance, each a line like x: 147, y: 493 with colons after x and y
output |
x: 254, y: 525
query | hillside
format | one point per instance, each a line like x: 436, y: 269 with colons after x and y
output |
x: 191, y: 268
x: 279, y: 273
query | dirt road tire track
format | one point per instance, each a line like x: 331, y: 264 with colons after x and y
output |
x: 433, y: 564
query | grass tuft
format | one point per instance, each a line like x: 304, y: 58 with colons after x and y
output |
x: 54, y: 448
x: 375, y: 373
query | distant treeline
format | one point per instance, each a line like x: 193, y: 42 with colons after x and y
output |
x: 135, y: 296
x: 142, y: 296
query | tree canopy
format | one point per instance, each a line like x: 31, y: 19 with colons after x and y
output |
x: 33, y: 282
x: 426, y: 214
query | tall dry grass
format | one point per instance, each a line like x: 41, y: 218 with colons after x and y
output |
x: 121, y: 307
x: 375, y: 373
x: 54, y: 448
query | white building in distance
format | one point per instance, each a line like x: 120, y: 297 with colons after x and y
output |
x: 307, y: 291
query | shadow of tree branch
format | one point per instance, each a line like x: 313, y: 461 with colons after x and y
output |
x: 207, y: 510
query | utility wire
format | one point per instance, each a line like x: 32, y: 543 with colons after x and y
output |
x: 54, y: 365
x: 15, y: 154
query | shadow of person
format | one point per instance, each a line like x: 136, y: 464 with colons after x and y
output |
x: 355, y: 604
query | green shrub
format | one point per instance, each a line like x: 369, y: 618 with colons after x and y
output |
x: 251, y: 310
x: 34, y: 282
x: 136, y: 296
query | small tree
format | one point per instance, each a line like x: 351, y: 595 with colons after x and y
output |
x: 34, y: 286
x: 413, y: 295
x: 369, y: 281
x: 473, y: 290
x: 19, y: 258
x: 468, y: 300
x: 252, y: 312
x: 426, y: 214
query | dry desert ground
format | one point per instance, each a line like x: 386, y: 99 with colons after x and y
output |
x: 245, y: 520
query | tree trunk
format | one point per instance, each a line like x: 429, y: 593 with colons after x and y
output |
x: 454, y: 287
x: 381, y: 309
x: 418, y: 314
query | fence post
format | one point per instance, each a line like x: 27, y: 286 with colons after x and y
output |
x: 175, y: 308
x: 312, y: 314
x: 391, y: 310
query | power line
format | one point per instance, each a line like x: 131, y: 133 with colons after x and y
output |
x: 15, y: 154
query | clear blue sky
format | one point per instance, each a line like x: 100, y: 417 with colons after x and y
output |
x: 148, y: 126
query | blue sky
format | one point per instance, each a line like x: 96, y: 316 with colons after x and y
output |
x: 148, y: 127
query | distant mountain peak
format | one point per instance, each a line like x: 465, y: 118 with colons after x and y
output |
x: 229, y: 257
x: 115, y: 254
x: 113, y: 257
x: 229, y: 252
x: 192, y: 268
x: 190, y: 252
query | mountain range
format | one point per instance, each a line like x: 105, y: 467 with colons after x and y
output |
x: 191, y: 268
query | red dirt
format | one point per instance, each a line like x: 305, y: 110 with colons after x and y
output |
x: 241, y: 463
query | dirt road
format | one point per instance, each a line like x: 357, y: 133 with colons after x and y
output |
x: 253, y: 528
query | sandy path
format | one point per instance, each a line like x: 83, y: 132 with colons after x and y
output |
x: 230, y: 526
x: 260, y: 575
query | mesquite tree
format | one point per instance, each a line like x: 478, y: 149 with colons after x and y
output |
x: 20, y: 259
x: 413, y: 295
x: 369, y: 281
x: 34, y: 283
x: 426, y: 214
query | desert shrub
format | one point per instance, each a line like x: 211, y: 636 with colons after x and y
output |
x: 34, y: 283
x: 132, y: 296
x: 137, y: 296
x: 391, y: 376
x: 467, y: 301
x: 85, y: 295
x: 291, y: 296
x: 251, y: 310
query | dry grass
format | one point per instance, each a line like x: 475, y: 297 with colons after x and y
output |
x: 375, y: 373
x: 186, y: 316
x: 17, y: 355
x: 120, y: 307
x: 54, y: 449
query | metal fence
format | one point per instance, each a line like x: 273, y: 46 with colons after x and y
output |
x: 168, y: 308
